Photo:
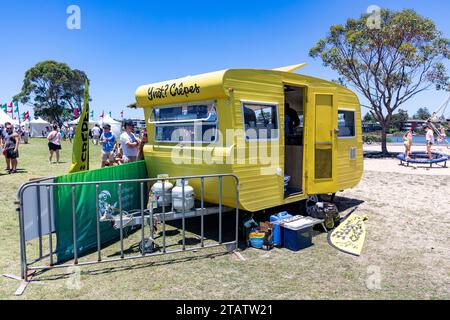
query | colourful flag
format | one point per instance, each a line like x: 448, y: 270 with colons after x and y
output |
x: 121, y: 114
x: 110, y: 114
x: 4, y: 107
x: 10, y: 108
x: 75, y: 112
x: 80, y: 150
x: 91, y: 114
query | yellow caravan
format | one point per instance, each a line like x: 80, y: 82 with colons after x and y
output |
x: 242, y: 121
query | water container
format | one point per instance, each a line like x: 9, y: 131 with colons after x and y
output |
x: 177, y: 196
x: 160, y: 196
x: 277, y: 231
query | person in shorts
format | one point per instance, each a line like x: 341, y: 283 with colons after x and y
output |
x: 130, y: 143
x: 95, y: 134
x: 10, y: 147
x: 54, y: 143
x: 107, y: 141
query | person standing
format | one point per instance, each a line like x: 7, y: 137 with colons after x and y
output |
x: 71, y: 134
x: 107, y: 141
x: 144, y: 141
x: 430, y: 141
x: 130, y: 143
x: 407, y: 141
x: 54, y: 143
x: 95, y: 134
x: 10, y: 148
x: 26, y: 134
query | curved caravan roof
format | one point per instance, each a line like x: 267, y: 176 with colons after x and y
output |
x: 219, y: 85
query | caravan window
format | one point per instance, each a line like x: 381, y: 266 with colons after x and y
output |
x: 346, y: 123
x: 260, y: 120
x: 193, y: 122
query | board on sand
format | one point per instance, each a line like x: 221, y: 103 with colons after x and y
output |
x: 349, y: 236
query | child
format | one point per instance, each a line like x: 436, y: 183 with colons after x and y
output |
x: 118, y: 154
x: 407, y: 141
x: 430, y: 141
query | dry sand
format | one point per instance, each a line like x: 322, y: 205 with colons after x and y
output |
x: 408, y: 235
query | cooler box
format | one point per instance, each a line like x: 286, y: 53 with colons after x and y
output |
x: 297, y: 237
x: 277, y: 230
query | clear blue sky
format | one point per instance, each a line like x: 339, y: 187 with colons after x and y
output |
x: 124, y: 44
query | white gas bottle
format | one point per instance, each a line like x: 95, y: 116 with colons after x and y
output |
x: 162, y: 195
x: 177, y: 196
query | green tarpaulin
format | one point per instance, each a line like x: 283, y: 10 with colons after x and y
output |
x: 86, y: 208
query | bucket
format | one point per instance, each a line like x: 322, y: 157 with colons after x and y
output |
x: 257, y: 239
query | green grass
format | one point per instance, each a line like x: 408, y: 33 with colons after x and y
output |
x: 319, y: 272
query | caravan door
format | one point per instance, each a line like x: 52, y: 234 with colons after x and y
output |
x: 322, y: 169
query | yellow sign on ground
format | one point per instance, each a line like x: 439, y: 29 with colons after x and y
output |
x: 349, y: 236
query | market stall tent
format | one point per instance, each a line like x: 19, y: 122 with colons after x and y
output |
x: 39, y: 128
x: 75, y: 122
x: 116, y: 126
x: 25, y: 123
x: 4, y: 117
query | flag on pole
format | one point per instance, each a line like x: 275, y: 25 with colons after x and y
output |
x: 80, y: 151
x: 10, y: 108
x: 16, y: 110
x: 110, y: 114
x: 4, y: 107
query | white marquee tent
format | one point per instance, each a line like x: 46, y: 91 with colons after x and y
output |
x: 4, y: 117
x: 116, y: 126
x: 75, y: 122
x: 39, y: 128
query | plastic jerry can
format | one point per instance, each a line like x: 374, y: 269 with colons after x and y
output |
x: 277, y: 230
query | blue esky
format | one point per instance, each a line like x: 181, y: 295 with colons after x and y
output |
x: 124, y: 44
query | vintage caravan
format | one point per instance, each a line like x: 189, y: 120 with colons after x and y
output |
x: 286, y: 136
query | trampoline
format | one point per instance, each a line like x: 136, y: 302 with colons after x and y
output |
x: 418, y: 157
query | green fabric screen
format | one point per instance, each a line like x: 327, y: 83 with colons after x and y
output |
x: 85, y: 202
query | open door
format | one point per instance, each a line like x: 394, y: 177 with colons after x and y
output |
x: 322, y: 178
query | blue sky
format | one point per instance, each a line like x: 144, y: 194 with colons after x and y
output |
x: 124, y: 44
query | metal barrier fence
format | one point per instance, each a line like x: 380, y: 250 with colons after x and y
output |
x: 138, y: 218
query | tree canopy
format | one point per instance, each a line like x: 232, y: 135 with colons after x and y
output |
x: 390, y: 65
x: 53, y: 89
x: 422, y: 114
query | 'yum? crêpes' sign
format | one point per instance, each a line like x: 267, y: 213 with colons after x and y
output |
x: 172, y: 90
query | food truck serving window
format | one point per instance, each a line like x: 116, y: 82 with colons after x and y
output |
x: 190, y: 122
x: 260, y: 120
x: 346, y: 123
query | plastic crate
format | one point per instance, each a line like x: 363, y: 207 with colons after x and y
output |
x: 297, y: 240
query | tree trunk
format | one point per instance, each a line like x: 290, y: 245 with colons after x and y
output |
x: 384, y: 139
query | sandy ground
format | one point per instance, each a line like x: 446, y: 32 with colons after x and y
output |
x: 393, y: 165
